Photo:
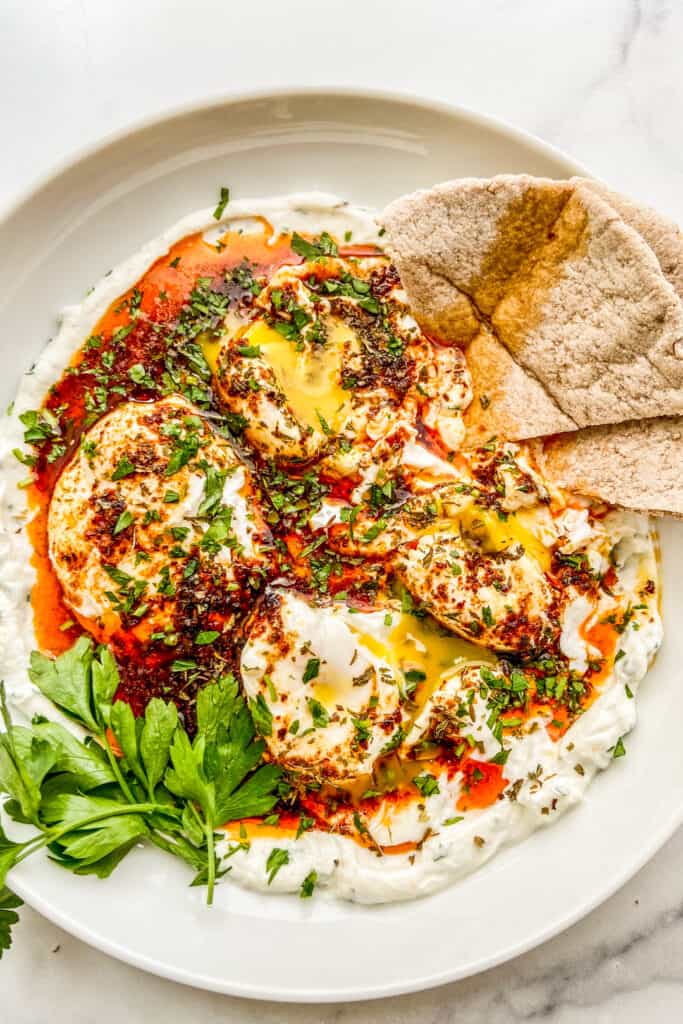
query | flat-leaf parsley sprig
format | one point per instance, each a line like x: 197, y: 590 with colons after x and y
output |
x: 9, y: 904
x: 130, y: 779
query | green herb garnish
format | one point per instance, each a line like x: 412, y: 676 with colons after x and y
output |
x: 316, y: 248
x: 427, y: 784
x: 91, y: 806
x: 222, y: 203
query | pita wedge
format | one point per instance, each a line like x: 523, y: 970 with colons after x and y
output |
x: 636, y: 465
x: 567, y: 297
x: 569, y: 317
x: 663, y: 236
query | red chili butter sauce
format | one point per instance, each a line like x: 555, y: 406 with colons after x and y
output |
x: 163, y: 290
x: 483, y: 782
x: 158, y: 297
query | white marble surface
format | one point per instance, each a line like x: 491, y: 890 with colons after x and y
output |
x: 599, y: 78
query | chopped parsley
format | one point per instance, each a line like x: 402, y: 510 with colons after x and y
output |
x: 308, y: 885
x: 123, y: 468
x: 123, y: 522
x: 304, y: 825
x: 395, y: 741
x: 312, y: 670
x: 427, y: 784
x: 315, y: 249
x: 206, y: 636
x: 222, y: 203
x: 319, y: 714
x: 277, y: 858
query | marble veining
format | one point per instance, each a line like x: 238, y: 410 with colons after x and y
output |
x: 600, y: 80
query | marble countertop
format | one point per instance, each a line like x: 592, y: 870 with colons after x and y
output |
x: 601, y: 81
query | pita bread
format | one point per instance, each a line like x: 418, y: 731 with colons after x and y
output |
x: 635, y: 465
x: 505, y: 397
x: 574, y: 300
x: 663, y: 236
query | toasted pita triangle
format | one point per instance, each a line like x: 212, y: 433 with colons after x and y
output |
x: 566, y: 287
x: 662, y: 235
x: 480, y: 259
x: 506, y: 398
x: 637, y: 465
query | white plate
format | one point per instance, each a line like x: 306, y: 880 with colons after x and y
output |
x: 53, y: 246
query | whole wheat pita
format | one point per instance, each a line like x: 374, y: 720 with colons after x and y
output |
x: 663, y: 236
x: 569, y: 292
x: 637, y: 465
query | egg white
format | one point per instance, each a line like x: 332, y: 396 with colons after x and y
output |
x: 87, y: 538
x: 314, y: 729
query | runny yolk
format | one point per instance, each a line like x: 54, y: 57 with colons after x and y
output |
x: 415, y: 650
x: 419, y: 651
x: 493, y: 534
x: 211, y: 345
x: 310, y: 378
x: 497, y: 535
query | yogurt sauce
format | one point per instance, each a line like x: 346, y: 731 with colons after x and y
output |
x: 545, y: 778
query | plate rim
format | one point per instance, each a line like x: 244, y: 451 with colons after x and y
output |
x: 305, y: 996
x: 79, y: 154
x: 8, y: 210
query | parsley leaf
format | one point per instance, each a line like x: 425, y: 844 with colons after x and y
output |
x: 319, y: 714
x: 427, y: 784
x: 308, y: 885
x: 40, y: 425
x: 161, y: 720
x: 67, y: 681
x: 9, y: 904
x: 206, y: 636
x: 312, y: 670
x: 324, y: 425
x: 123, y: 522
x: 123, y: 468
x: 213, y: 490
x: 316, y: 248
x: 277, y: 858
x: 395, y: 741
x: 374, y: 531
x: 261, y: 714
x: 144, y: 778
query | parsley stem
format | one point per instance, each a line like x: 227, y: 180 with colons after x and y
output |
x: 113, y: 761
x: 50, y: 835
x: 211, y: 864
x: 116, y: 812
x: 166, y: 844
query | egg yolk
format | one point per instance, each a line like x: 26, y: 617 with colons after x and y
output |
x: 310, y: 377
x: 496, y: 534
x: 493, y: 534
x: 420, y: 653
